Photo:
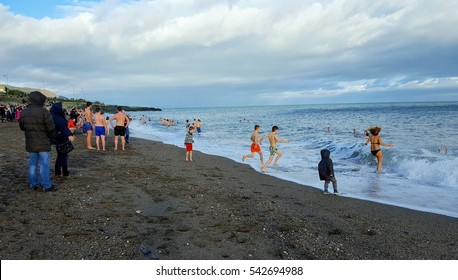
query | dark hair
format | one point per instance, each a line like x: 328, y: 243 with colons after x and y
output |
x: 274, y: 128
x: 119, y: 109
x: 97, y: 109
x: 88, y: 104
x: 256, y: 127
x: 375, y: 130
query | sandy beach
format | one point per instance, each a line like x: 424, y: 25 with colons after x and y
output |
x: 116, y: 202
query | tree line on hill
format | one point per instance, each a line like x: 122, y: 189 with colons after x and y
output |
x: 14, y: 96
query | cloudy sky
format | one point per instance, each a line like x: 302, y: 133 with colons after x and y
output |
x: 188, y: 53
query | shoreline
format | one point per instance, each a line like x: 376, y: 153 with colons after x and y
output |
x: 211, y: 209
x: 425, y: 209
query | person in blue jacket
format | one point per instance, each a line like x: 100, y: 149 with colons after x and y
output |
x: 63, y: 134
x: 326, y: 171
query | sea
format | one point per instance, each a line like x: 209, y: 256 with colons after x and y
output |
x: 417, y: 173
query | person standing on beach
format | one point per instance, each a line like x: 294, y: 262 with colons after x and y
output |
x: 273, y: 139
x: 376, y: 142
x: 127, y: 128
x: 326, y: 171
x: 188, y: 141
x: 101, y: 128
x: 188, y: 125
x: 199, y: 126
x: 39, y: 129
x: 255, y: 147
x: 63, y: 135
x: 122, y: 121
x: 89, y: 125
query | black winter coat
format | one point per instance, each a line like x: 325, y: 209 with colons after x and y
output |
x: 62, y: 131
x: 326, y: 166
x: 37, y: 124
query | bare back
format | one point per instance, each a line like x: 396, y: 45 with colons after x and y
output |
x: 120, y: 119
x: 99, y: 120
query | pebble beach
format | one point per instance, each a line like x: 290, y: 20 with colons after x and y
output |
x: 149, y: 203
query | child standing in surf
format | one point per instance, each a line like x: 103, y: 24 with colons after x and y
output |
x: 326, y: 171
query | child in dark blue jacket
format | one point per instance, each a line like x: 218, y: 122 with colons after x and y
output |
x: 326, y: 171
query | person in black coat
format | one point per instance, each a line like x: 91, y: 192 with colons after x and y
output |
x: 39, y: 128
x: 326, y: 171
x: 63, y: 135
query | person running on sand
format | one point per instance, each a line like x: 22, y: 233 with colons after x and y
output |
x: 188, y: 143
x: 89, y: 125
x: 376, y: 142
x: 255, y: 147
x: 122, y: 121
x: 101, y: 128
x: 273, y: 139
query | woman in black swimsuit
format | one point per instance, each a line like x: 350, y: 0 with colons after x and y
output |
x: 376, y: 142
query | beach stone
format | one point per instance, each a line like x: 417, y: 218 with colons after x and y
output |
x: 336, y: 231
x: 371, y: 232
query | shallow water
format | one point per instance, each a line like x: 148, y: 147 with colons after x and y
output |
x: 415, y: 174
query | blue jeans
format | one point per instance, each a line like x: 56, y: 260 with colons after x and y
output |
x: 43, y: 159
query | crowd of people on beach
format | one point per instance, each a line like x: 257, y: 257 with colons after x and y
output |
x: 59, y: 126
x: 9, y: 113
x: 49, y: 124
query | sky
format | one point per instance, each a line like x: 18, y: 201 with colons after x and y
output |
x: 201, y: 53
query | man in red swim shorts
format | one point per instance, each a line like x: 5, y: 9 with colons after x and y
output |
x: 255, y: 146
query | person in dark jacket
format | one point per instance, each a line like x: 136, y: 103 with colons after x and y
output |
x: 63, y: 135
x: 326, y: 171
x: 39, y: 129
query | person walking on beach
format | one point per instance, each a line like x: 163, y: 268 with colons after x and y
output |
x: 273, y: 139
x: 101, y: 128
x: 89, y: 125
x: 122, y: 121
x: 39, y: 129
x: 63, y: 135
x: 188, y: 141
x: 326, y: 171
x: 376, y: 142
x: 255, y: 147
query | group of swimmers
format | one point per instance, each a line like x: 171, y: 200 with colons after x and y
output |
x: 99, y: 124
x: 256, y: 146
x: 374, y: 139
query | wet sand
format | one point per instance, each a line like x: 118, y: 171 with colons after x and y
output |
x: 114, y: 203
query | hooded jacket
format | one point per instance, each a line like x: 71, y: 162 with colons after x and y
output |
x: 326, y: 166
x: 37, y: 124
x: 62, y: 131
